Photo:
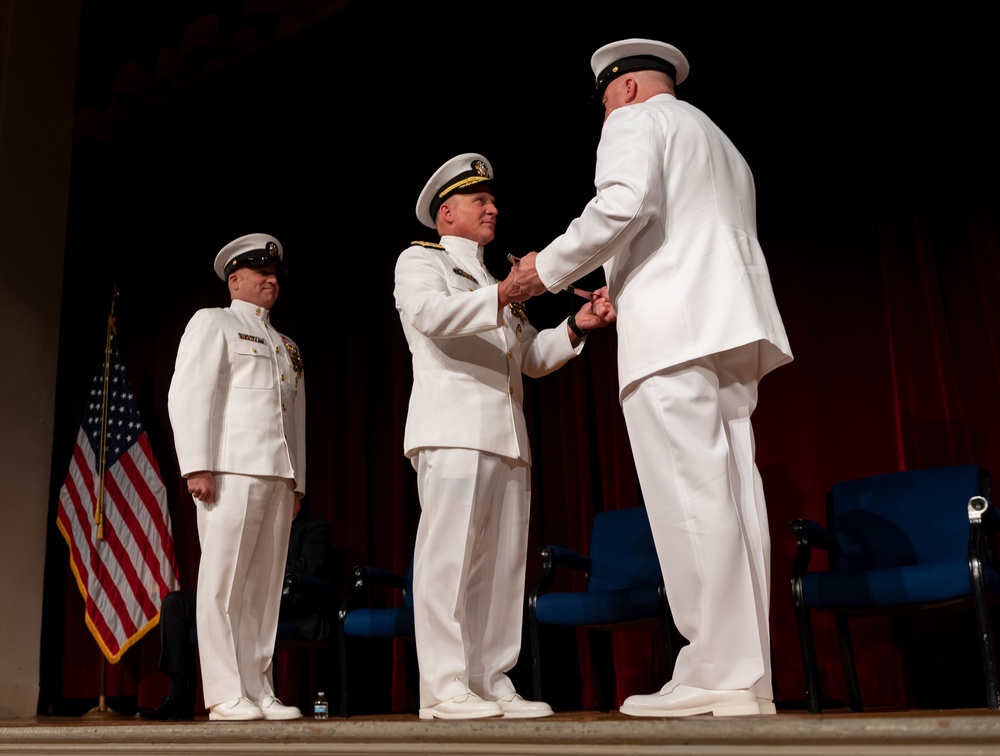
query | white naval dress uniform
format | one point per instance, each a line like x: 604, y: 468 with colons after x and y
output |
x: 237, y: 408
x: 466, y: 436
x: 674, y: 225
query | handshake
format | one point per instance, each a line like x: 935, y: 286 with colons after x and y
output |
x: 522, y: 283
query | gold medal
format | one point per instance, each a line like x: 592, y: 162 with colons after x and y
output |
x: 293, y: 356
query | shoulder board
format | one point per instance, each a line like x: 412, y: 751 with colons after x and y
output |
x: 426, y: 244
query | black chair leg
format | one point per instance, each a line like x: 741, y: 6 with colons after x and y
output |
x: 803, y: 619
x: 667, y: 634
x: 809, y: 665
x: 602, y: 659
x: 412, y: 670
x: 536, y: 663
x: 984, y: 624
x: 847, y: 660
x: 332, y: 672
x: 343, y: 676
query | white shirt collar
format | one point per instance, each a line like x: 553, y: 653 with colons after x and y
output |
x: 248, y: 308
x: 462, y: 247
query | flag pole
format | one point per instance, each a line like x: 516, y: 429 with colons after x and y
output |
x: 102, y: 708
x: 103, y: 450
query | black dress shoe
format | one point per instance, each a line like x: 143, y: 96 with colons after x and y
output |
x: 169, y: 710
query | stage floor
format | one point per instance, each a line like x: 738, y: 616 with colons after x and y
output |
x: 906, y: 733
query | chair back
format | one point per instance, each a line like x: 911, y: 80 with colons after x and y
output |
x: 622, y: 552
x: 902, y: 518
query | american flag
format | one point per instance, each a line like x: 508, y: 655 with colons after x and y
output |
x: 123, y: 562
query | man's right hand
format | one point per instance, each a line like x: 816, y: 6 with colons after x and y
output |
x: 526, y: 276
x: 509, y: 290
x: 201, y: 485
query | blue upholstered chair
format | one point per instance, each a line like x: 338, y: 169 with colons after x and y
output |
x: 624, y: 589
x: 899, y: 542
x: 359, y: 618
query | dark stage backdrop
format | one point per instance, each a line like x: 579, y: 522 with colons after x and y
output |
x: 875, y: 165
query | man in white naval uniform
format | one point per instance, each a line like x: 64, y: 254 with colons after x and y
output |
x: 674, y: 225
x: 237, y: 406
x: 465, y: 435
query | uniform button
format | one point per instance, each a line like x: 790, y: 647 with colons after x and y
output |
x: 504, y: 322
x: 254, y: 350
x: 277, y: 350
x: 510, y: 354
x: 282, y: 407
x: 282, y: 378
x: 512, y: 390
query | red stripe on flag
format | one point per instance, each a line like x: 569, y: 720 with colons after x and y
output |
x: 76, y: 506
x: 142, y: 472
x: 161, y: 523
x: 104, y: 590
x: 121, y: 521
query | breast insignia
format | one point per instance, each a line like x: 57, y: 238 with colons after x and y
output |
x: 293, y: 355
x: 466, y: 275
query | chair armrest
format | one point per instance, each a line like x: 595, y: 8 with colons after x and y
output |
x: 566, y: 557
x: 297, y: 583
x: 811, y: 533
x: 551, y: 556
x: 366, y: 574
x: 363, y: 577
x: 984, y: 522
x: 981, y: 510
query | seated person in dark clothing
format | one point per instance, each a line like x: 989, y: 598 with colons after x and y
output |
x: 303, y: 614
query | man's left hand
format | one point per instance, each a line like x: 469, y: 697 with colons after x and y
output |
x: 598, y: 312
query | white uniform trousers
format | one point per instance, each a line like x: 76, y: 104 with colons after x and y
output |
x: 693, y: 445
x: 244, y: 543
x: 468, y: 572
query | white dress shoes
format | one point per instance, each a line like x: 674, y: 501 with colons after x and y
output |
x: 767, y: 706
x: 237, y: 710
x: 466, y: 706
x: 272, y: 708
x: 515, y: 707
x: 679, y: 700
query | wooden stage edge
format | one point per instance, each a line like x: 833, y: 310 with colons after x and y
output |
x: 587, y: 733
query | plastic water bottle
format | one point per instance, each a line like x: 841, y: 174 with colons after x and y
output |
x: 321, y: 707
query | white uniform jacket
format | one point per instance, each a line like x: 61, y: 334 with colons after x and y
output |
x: 237, y: 399
x: 468, y: 355
x: 674, y: 225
